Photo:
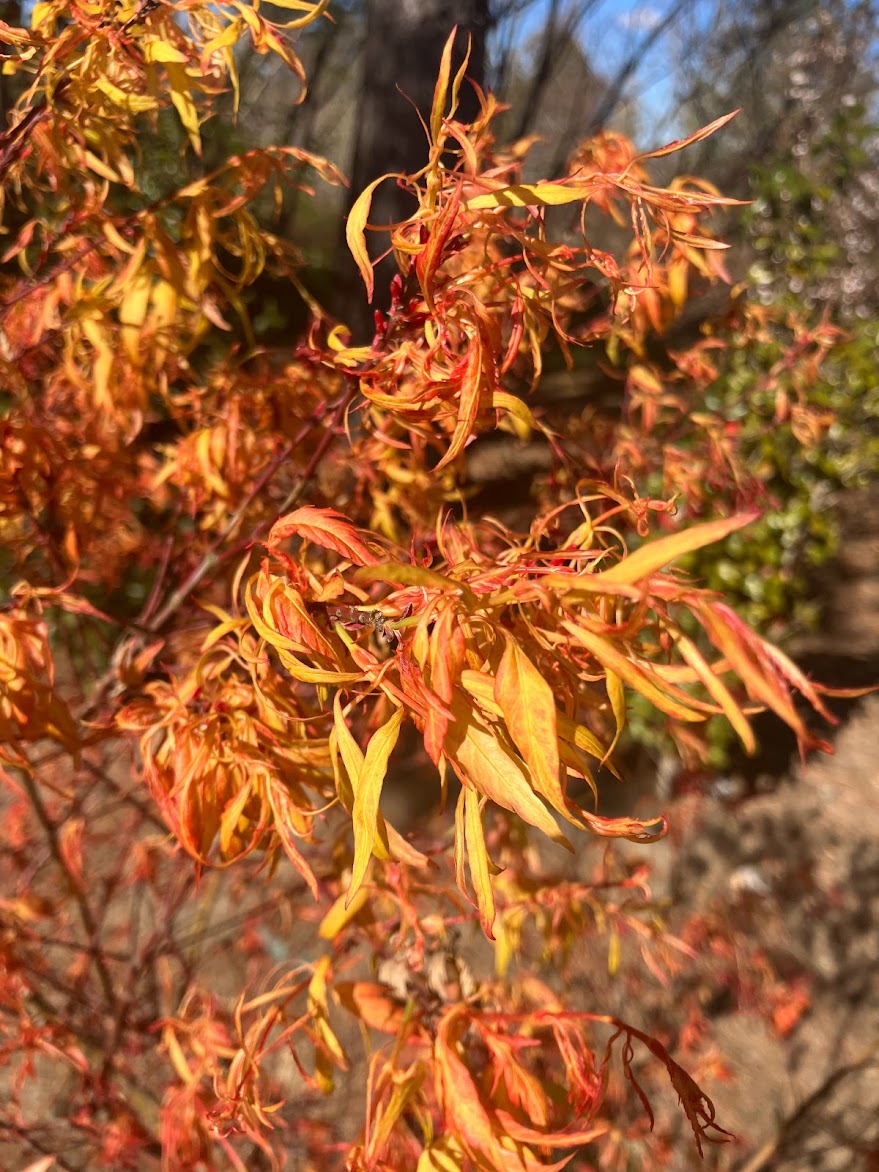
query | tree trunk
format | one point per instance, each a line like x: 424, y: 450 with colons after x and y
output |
x: 404, y: 44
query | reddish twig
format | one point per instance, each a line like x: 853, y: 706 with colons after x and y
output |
x: 86, y: 913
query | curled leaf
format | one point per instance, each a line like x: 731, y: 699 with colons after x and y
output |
x: 355, y: 234
x: 324, y: 527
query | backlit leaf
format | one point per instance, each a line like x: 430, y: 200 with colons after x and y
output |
x: 132, y: 312
x: 263, y: 619
x: 716, y: 689
x: 480, y: 685
x: 477, y: 859
x: 680, y: 143
x: 579, y: 735
x: 528, y: 705
x: 181, y: 96
x: 630, y: 673
x: 770, y: 690
x: 520, y: 411
x: 355, y: 234
x: 432, y: 255
x: 349, y: 750
x: 156, y: 49
x: 486, y: 764
x: 442, y: 85
x: 342, y: 913
x: 312, y: 11
x: 617, y: 696
x: 656, y: 555
x: 130, y: 103
x: 469, y: 403
x: 523, y: 195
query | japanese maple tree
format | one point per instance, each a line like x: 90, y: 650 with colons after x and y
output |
x: 239, y: 579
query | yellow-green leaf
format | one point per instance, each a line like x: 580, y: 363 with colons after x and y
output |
x: 630, y: 673
x: 580, y: 736
x: 477, y: 859
x: 525, y: 195
x: 441, y: 87
x: 183, y: 103
x: 523, y: 420
x: 313, y: 11
x: 314, y: 675
x: 367, y: 791
x: 159, y: 50
x: 528, y: 705
x: 654, y: 556
x: 349, y: 750
x: 341, y: 914
x: 100, y: 167
x: 404, y: 574
x: 717, y: 689
x: 617, y: 695
x: 355, y: 234
x: 489, y: 767
x: 130, y: 103
x: 133, y: 309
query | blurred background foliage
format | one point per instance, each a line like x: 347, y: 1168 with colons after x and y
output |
x: 805, y: 269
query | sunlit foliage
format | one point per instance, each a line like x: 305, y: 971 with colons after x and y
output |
x: 250, y: 574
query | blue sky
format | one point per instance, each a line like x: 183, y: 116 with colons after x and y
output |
x: 611, y: 31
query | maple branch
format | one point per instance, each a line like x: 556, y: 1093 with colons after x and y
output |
x: 212, y: 559
x: 322, y: 447
x: 76, y: 889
